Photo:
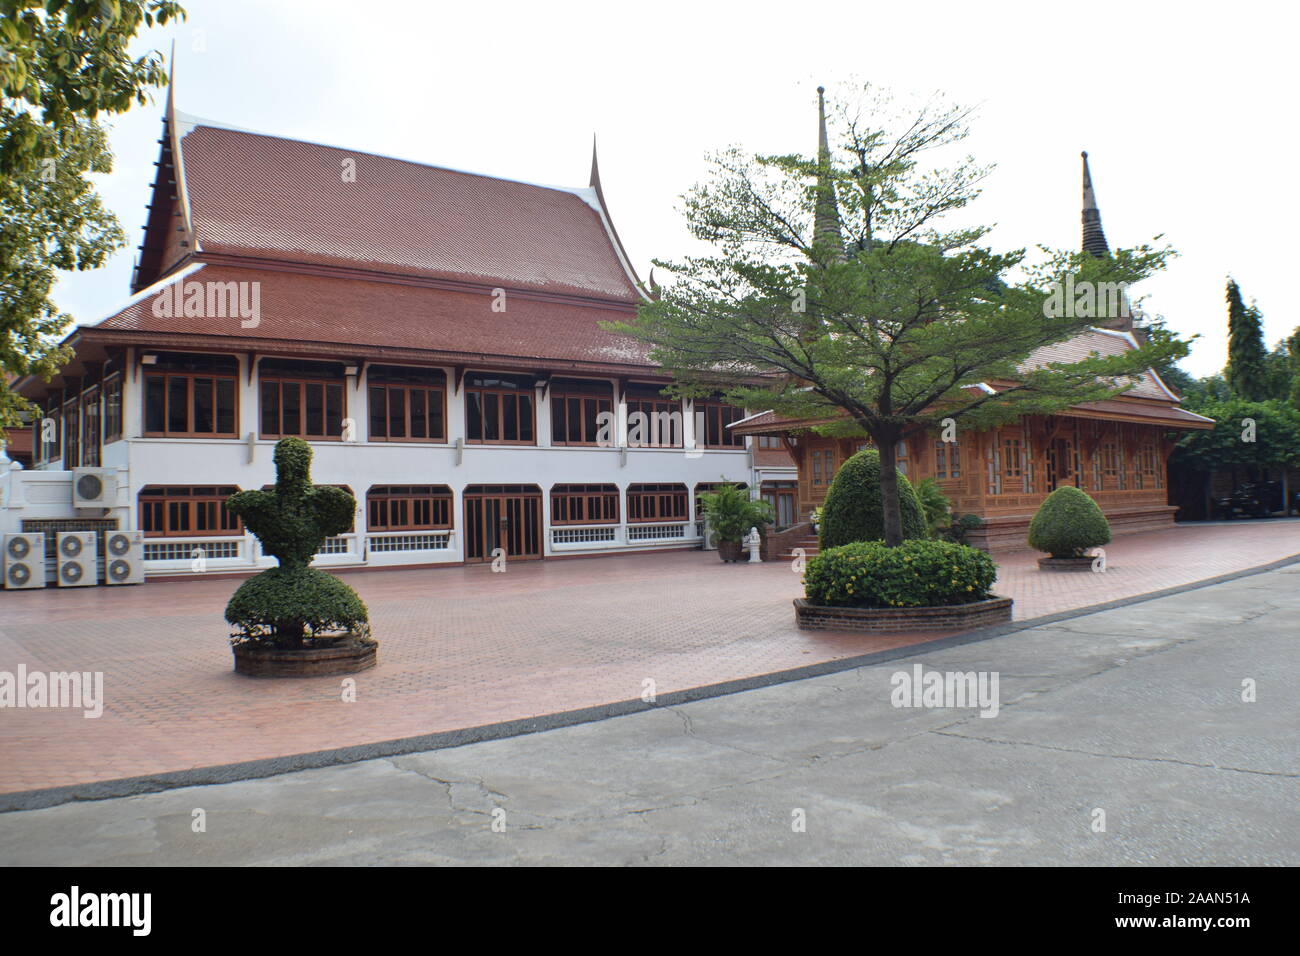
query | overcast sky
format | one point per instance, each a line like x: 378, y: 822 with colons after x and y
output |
x: 1186, y: 110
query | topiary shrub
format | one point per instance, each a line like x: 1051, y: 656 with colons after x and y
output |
x: 917, y: 573
x: 292, y: 604
x: 853, y: 510
x: 1068, y: 522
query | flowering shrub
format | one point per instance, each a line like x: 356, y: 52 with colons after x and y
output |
x: 917, y: 573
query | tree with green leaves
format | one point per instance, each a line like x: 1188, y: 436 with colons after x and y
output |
x: 63, y: 63
x: 1254, y: 436
x: 831, y: 293
x: 1246, y: 354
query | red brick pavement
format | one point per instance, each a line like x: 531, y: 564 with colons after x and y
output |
x: 462, y: 647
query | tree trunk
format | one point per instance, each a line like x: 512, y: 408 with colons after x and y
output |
x: 887, y: 445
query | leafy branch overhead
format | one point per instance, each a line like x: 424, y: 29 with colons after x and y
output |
x: 62, y: 65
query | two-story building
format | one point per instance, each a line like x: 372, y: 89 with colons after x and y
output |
x: 436, y: 335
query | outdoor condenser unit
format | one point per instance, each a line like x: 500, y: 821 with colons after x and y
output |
x: 124, y: 557
x: 78, y: 554
x: 24, y: 561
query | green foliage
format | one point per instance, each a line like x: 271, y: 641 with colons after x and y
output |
x: 1245, y: 370
x: 1276, y: 436
x: 294, y: 602
x: 294, y: 518
x: 960, y: 528
x: 935, y: 506
x: 890, y: 329
x: 1068, y: 523
x: 286, y: 606
x: 731, y: 512
x: 853, y: 509
x: 914, y: 574
x: 62, y: 64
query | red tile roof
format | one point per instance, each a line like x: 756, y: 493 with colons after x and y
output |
x: 363, y: 314
x: 282, y: 199
x: 1104, y: 343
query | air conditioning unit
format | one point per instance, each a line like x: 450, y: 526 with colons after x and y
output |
x: 78, y: 553
x: 94, y: 487
x: 124, y: 557
x: 24, y: 561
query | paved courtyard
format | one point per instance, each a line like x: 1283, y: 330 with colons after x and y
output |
x: 466, y: 647
x: 1135, y: 711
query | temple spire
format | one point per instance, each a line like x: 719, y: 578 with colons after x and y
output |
x: 1094, y: 239
x: 826, y: 217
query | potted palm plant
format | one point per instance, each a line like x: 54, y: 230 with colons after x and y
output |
x: 730, y: 513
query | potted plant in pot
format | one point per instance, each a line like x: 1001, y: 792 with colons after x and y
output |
x: 1067, y: 524
x: 293, y: 620
x: 730, y: 513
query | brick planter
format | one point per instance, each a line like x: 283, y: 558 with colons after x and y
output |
x: 345, y: 658
x: 877, y: 620
x: 1065, y: 564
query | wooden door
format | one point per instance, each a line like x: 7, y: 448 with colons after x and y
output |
x: 508, y: 517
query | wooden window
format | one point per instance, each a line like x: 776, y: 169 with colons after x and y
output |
x: 717, y: 416
x: 71, y: 435
x: 653, y: 419
x: 407, y: 404
x: 584, y: 504
x: 994, y: 467
x: 90, y: 434
x: 1150, y: 469
x: 577, y: 407
x: 53, y: 449
x: 947, y: 459
x: 823, y: 466
x: 499, y: 409
x: 302, y: 399
x: 1112, y: 474
x: 171, y: 510
x: 113, y: 409
x: 770, y: 441
x: 656, y: 503
x: 408, y: 507
x: 1012, y: 458
x: 900, y: 456
x: 783, y: 497
x: 191, y: 396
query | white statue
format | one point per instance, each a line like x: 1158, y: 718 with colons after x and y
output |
x: 753, y: 541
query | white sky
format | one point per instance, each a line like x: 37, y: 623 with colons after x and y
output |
x: 1186, y: 110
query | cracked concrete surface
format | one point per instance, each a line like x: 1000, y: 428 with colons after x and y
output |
x: 1136, y: 711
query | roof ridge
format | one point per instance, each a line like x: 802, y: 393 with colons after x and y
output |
x: 191, y: 122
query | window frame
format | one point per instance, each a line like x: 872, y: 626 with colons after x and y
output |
x: 561, y: 394
x: 518, y: 393
x: 114, y: 408
x: 171, y: 497
x: 168, y: 376
x: 710, y: 406
x: 583, y: 495
x: 441, y: 501
x: 645, y: 492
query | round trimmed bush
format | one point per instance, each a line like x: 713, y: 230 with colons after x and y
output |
x: 1068, y: 523
x: 285, y: 606
x: 853, y: 510
x: 917, y: 573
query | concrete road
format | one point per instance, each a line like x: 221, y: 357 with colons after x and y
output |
x: 1135, y: 713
